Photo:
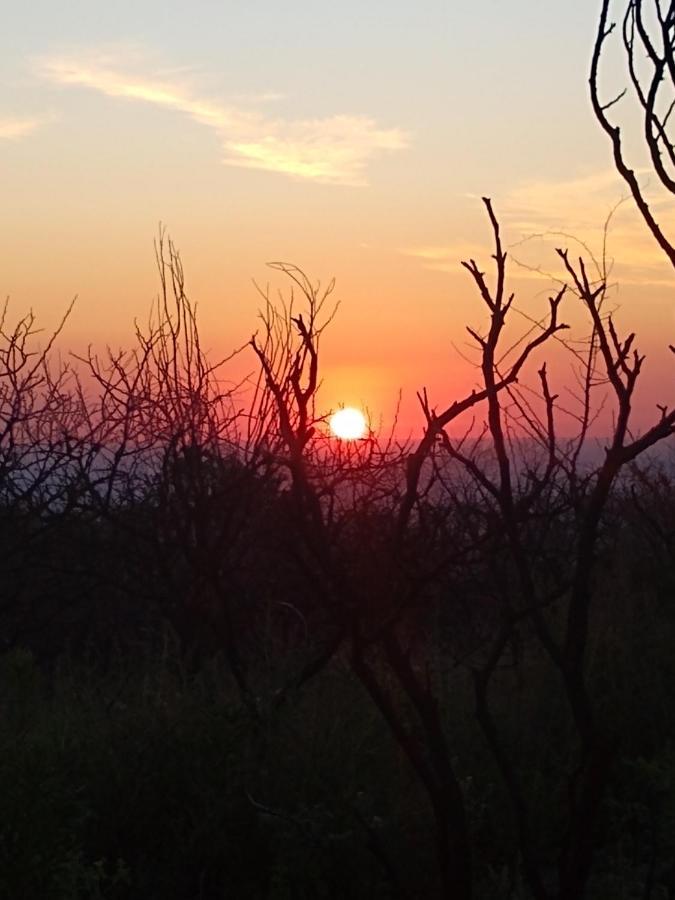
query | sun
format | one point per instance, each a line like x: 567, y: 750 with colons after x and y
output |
x: 348, y: 424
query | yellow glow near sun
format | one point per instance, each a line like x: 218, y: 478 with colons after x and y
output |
x: 348, y: 424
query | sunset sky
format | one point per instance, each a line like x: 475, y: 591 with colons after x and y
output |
x: 354, y: 140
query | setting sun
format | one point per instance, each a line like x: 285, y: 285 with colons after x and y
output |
x: 346, y: 376
x: 348, y: 424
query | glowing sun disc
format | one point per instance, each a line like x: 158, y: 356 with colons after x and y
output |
x: 348, y: 424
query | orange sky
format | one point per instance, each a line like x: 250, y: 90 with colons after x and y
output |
x: 355, y: 144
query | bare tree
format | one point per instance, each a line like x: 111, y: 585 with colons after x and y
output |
x: 173, y: 471
x: 41, y: 457
x: 226, y: 508
x: 539, y: 583
x: 648, y: 41
x: 375, y: 620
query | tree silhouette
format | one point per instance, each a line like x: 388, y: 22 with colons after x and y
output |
x: 647, y: 36
x: 377, y: 621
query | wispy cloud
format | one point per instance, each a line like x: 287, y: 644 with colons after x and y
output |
x: 539, y: 215
x: 336, y: 149
x: 588, y: 215
x: 447, y: 257
x: 12, y: 129
x: 581, y: 202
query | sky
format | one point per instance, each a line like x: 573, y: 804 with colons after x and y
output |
x: 353, y: 140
